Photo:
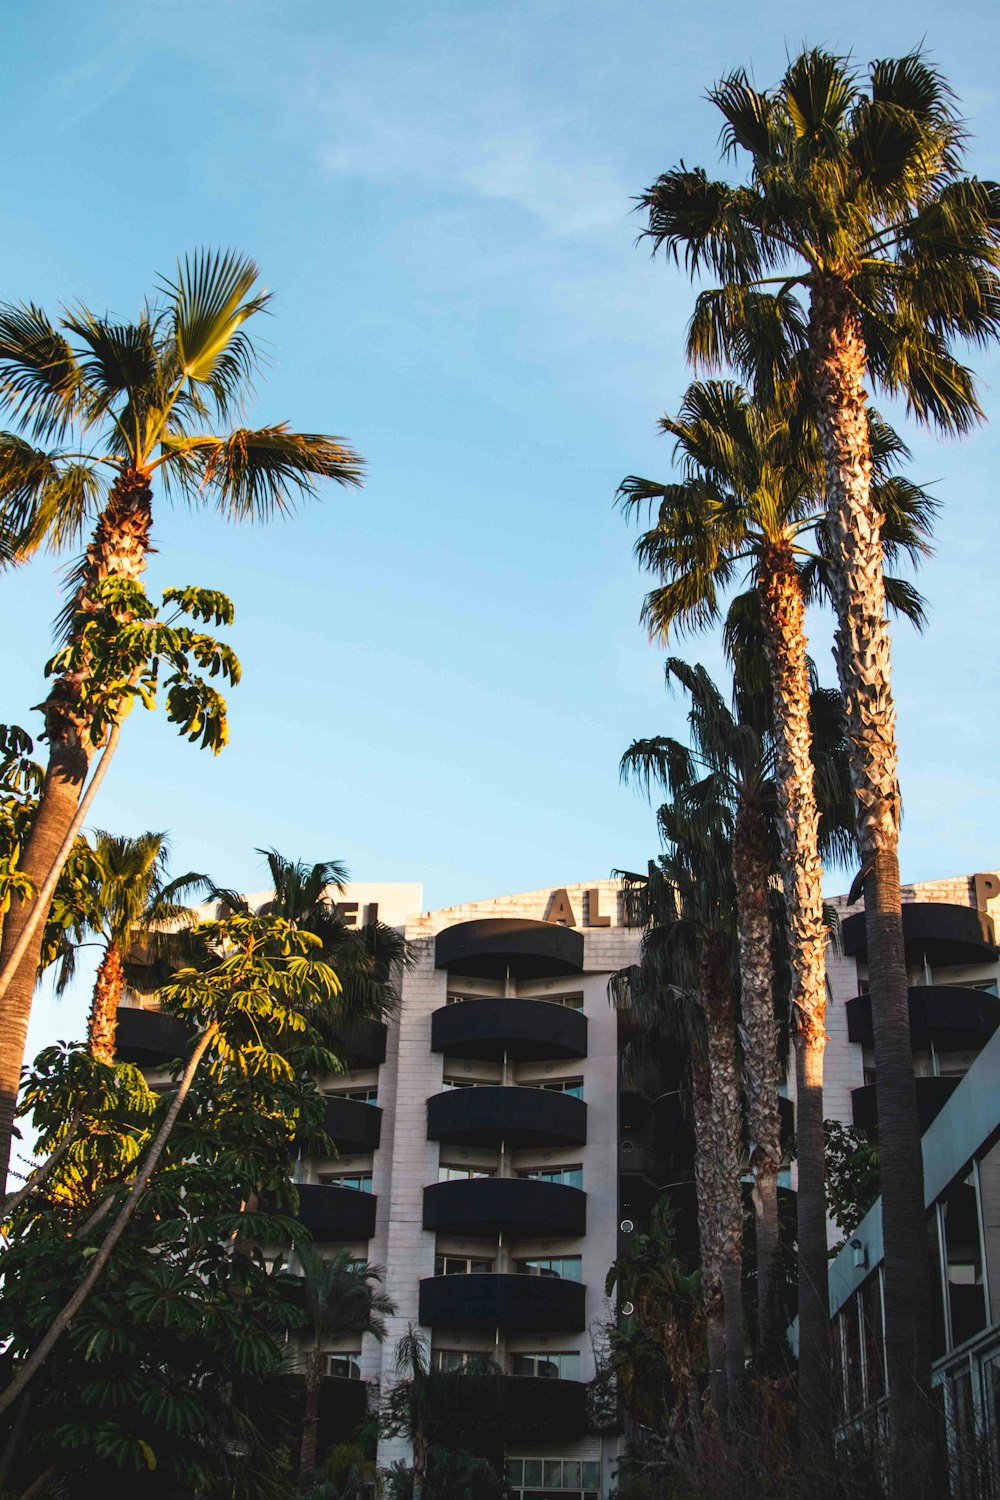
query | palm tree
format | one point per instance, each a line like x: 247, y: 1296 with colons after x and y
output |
x: 684, y: 988
x: 341, y: 1298
x: 121, y: 406
x: 752, y: 497
x: 119, y: 898
x: 884, y: 254
x: 728, y: 773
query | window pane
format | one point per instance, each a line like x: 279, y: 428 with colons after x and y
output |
x: 523, y: 1364
x: 963, y: 1260
x: 591, y: 1474
x: 533, y: 1473
x: 552, y: 1473
x: 571, y: 1474
x: 515, y: 1471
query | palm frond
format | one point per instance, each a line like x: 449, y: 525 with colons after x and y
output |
x: 44, y: 497
x: 213, y: 296
x: 39, y: 376
x: 254, y: 473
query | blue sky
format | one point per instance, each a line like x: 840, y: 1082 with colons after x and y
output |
x: 441, y: 672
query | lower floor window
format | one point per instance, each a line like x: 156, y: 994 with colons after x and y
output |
x: 359, y: 1182
x: 559, y: 1366
x: 566, y: 1475
x: 461, y: 1265
x: 345, y: 1366
x: 470, y: 1361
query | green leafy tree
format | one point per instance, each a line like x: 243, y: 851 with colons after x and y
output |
x: 884, y: 255
x: 155, y: 1257
x: 119, y: 407
x: 341, y: 1298
x: 119, y: 897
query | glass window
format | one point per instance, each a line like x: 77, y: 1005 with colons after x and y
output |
x: 563, y: 1476
x: 566, y: 1267
x: 461, y: 1265
x: 546, y: 1366
x: 591, y: 1474
x: 571, y: 1002
x: 345, y: 1366
x: 449, y: 1361
x: 873, y: 1346
x: 963, y: 1255
x: 359, y: 1182
x: 367, y: 1095
x: 852, y: 1355
x: 515, y: 1472
x: 462, y: 1174
x: 937, y: 1286
x: 533, y: 1473
x: 570, y: 1176
x: 452, y: 1081
x: 571, y: 1474
x: 572, y: 1086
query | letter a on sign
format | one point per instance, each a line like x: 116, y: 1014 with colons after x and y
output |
x: 560, y: 909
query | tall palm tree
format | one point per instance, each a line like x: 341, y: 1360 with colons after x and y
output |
x: 728, y: 773
x: 884, y: 255
x: 121, y: 900
x: 121, y: 407
x: 341, y: 1298
x: 685, y: 986
x: 751, y: 498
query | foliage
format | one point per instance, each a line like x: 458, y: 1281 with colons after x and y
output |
x: 134, y: 1387
x: 20, y: 779
x: 852, y: 1174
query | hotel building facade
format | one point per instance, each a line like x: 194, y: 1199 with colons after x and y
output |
x: 494, y: 1159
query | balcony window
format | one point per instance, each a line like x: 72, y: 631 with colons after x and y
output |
x: 565, y: 1267
x: 461, y: 1265
x: 570, y: 1478
x: 571, y: 1002
x: 368, y: 1095
x: 963, y: 1260
x: 358, y: 1182
x: 449, y: 1081
x: 344, y: 1366
x: 545, y: 1366
x: 570, y: 1176
x: 462, y: 1174
x: 466, y: 1361
x: 571, y: 1086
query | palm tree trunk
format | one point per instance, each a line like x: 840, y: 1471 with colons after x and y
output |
x: 723, y: 1066
x: 102, y: 1024
x: 863, y: 660
x: 783, y: 614
x: 706, y: 1196
x: 119, y: 547
x: 751, y: 872
x: 310, y: 1424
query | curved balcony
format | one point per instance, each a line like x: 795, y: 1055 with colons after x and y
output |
x: 336, y: 1213
x: 521, y: 1207
x: 517, y: 1304
x: 362, y: 1043
x: 493, y: 947
x: 518, y: 1117
x: 528, y: 1030
x: 353, y: 1125
x: 942, y: 933
x: 149, y: 1037
x: 949, y: 1017
x: 932, y: 1096
x: 479, y: 1409
x: 343, y: 1406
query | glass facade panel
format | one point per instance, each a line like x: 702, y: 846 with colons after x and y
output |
x: 963, y: 1252
x: 345, y: 1366
x: 565, y: 1267
x: 873, y: 1346
x: 571, y: 1176
x: 533, y: 1473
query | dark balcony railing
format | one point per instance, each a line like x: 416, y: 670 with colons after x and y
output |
x: 353, y: 1125
x: 943, y: 934
x: 494, y: 947
x: 149, y: 1037
x: 336, y: 1213
x: 528, y: 1030
x: 521, y: 1207
x: 949, y: 1017
x: 343, y: 1406
x: 362, y: 1043
x: 517, y: 1304
x: 932, y: 1096
x: 519, y: 1117
x: 485, y: 1413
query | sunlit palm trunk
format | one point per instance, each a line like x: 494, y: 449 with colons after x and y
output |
x: 720, y: 1024
x: 119, y: 547
x: 783, y: 614
x: 751, y: 869
x: 706, y: 1198
x: 103, y: 1020
x: 862, y: 651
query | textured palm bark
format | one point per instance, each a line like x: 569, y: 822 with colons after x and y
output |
x: 310, y: 1422
x: 102, y: 1024
x: 724, y: 1076
x: 783, y: 613
x: 119, y: 547
x: 863, y: 661
x: 751, y: 869
x: 706, y: 1197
